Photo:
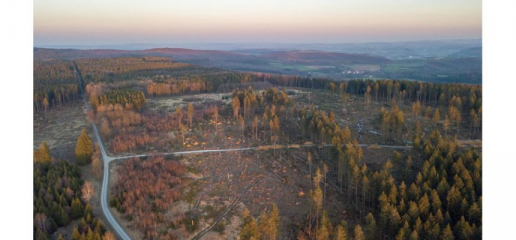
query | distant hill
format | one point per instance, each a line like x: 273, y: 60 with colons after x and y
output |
x: 322, y: 57
x: 462, y: 66
x: 183, y: 51
x: 469, y: 52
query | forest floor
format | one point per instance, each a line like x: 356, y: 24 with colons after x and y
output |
x: 362, y: 120
x: 60, y: 127
x: 214, y: 180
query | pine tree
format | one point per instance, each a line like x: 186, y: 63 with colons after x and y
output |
x: 216, y: 116
x: 76, y: 235
x: 359, y: 234
x: 77, y: 208
x: 249, y: 229
x: 447, y: 233
x: 274, y: 222
x: 424, y: 205
x: 190, y: 113
x: 332, y: 88
x: 371, y: 229
x: 401, y: 234
x: 45, y: 104
x: 40, y: 235
x: 309, y: 159
x: 255, y: 127
x: 414, y: 235
x: 263, y: 224
x: 179, y: 114
x: 84, y: 149
x: 42, y: 154
x: 437, y: 117
x: 322, y: 232
x: 236, y: 107
x: 90, y: 234
x: 96, y: 165
x: 340, y: 233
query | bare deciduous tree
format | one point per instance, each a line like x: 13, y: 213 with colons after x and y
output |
x: 87, y: 191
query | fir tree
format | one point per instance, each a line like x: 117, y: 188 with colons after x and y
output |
x: 84, y: 149
x: 359, y: 234
x: 340, y: 233
x: 42, y: 154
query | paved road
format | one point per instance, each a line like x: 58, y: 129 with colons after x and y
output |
x: 105, y: 181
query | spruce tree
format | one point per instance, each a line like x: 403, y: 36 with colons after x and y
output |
x: 447, y: 233
x: 76, y: 235
x: 190, y: 112
x: 371, y: 229
x: 84, y: 149
x: 340, y: 233
x: 274, y: 222
x: 42, y: 154
x: 359, y: 234
x: 40, y: 235
x: 77, y: 208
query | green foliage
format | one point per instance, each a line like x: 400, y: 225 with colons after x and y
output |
x: 249, y: 229
x: 54, y: 83
x: 341, y: 233
x: 127, y: 98
x: 270, y: 224
x: 57, y: 188
x: 359, y: 234
x: 83, y: 149
x: 42, y: 154
x: 77, y: 208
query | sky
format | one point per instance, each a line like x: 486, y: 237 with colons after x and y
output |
x: 98, y: 22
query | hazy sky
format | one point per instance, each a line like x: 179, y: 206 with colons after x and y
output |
x: 297, y: 21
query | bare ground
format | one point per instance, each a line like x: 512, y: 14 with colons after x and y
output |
x: 60, y: 127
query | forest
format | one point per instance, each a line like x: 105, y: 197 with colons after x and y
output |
x: 437, y: 194
x: 60, y: 196
x: 324, y: 140
x: 55, y: 83
x: 145, y: 189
